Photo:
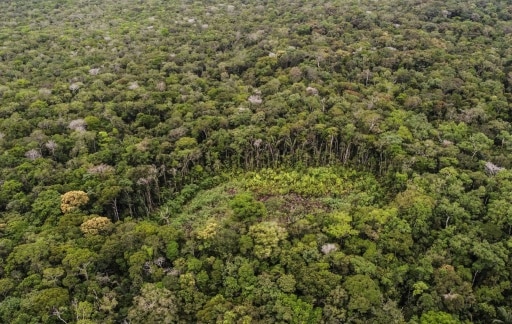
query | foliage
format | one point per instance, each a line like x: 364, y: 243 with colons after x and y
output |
x: 255, y: 161
x: 154, y: 304
x: 246, y: 208
x: 72, y: 200
x: 96, y: 225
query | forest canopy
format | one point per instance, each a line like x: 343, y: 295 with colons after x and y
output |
x: 330, y: 161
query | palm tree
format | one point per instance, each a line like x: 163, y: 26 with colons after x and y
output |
x: 504, y: 315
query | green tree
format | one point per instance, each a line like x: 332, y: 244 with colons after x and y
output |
x: 79, y: 261
x: 266, y: 237
x: 291, y: 309
x: 504, y: 315
x: 46, y: 207
x: 154, y: 304
x: 246, y: 208
x: 432, y: 317
x: 364, y: 294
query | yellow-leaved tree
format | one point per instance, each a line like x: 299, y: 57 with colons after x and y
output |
x: 96, y: 225
x: 72, y: 200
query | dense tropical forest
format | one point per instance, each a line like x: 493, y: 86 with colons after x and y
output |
x: 329, y: 161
